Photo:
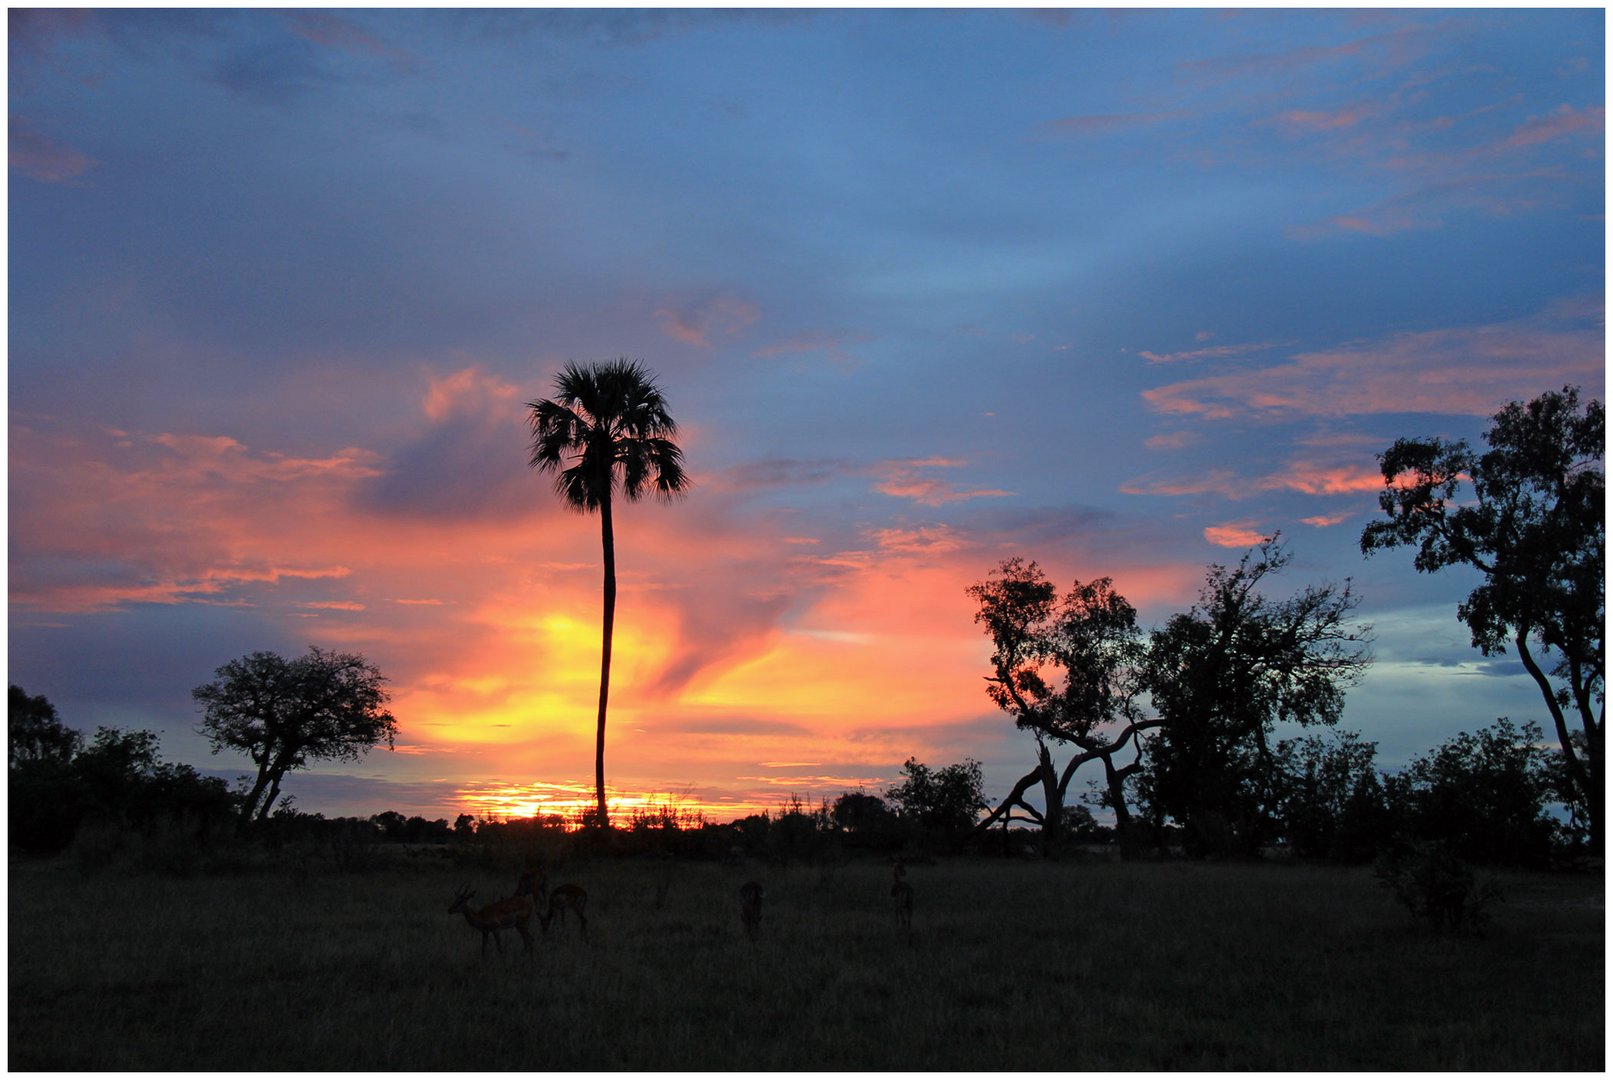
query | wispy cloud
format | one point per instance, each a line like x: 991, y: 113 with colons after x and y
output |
x: 41, y: 158
x: 1459, y: 370
x: 914, y: 480
x: 1564, y: 122
x: 835, y: 347
x: 697, y: 322
x: 1104, y: 123
x: 1209, y: 352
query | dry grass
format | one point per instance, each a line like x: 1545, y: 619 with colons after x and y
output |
x: 1009, y: 966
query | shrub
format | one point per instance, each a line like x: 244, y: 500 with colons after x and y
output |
x: 1436, y: 885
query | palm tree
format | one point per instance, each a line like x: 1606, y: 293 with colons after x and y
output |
x: 606, y: 432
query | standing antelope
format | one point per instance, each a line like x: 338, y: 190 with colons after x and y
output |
x: 751, y: 895
x: 902, y: 897
x: 499, y: 915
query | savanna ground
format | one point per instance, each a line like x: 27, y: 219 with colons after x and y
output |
x: 1009, y: 965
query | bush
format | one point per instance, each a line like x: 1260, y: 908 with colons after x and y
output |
x: 1436, y: 885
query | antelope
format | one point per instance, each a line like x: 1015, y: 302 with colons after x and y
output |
x: 499, y: 915
x: 902, y: 896
x: 563, y: 899
x: 566, y: 897
x: 751, y: 895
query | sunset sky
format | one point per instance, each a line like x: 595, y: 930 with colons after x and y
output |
x: 1120, y: 292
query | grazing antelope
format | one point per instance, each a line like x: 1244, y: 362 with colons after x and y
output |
x: 499, y: 915
x: 566, y: 898
x: 902, y: 897
x: 751, y: 895
x: 563, y: 899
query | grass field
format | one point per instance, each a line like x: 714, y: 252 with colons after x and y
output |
x: 1009, y: 965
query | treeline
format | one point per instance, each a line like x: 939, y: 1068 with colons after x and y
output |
x: 1485, y: 797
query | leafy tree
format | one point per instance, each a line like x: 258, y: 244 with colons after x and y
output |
x: 1223, y: 674
x: 37, y: 734
x: 1330, y: 800
x: 861, y: 813
x: 285, y: 714
x: 1483, y: 795
x: 57, y: 782
x: 1534, y: 528
x: 1069, y: 672
x: 606, y: 432
x: 945, y: 801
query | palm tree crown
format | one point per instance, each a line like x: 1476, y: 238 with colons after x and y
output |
x: 606, y: 432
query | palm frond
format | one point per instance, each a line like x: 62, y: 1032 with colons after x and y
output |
x: 607, y: 426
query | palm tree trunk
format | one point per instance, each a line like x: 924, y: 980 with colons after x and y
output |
x: 608, y: 539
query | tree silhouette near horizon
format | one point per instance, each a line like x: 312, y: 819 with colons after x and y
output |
x: 605, y: 433
x: 1535, y: 529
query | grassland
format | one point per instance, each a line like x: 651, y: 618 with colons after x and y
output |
x: 1009, y: 965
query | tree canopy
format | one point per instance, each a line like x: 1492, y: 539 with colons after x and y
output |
x: 285, y: 714
x: 1224, y: 673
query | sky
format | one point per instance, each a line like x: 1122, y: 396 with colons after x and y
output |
x: 1117, y: 291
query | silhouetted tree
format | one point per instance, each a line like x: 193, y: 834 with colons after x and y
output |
x: 36, y: 733
x: 606, y: 432
x: 284, y: 714
x: 1535, y: 529
x: 1482, y: 796
x: 1330, y: 802
x: 1068, y: 672
x: 1223, y: 674
x: 945, y: 801
x: 57, y: 781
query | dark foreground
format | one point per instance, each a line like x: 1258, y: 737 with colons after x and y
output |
x: 1009, y: 965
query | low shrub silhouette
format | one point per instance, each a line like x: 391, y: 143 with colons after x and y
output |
x: 1436, y: 885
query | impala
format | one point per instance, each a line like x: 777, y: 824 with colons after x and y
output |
x: 751, y: 895
x: 902, y: 896
x: 563, y: 899
x: 499, y: 915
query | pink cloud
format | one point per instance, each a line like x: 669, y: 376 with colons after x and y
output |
x: 43, y: 159
x: 904, y: 480
x: 1212, y: 352
x: 1306, y: 120
x: 1456, y: 370
x: 698, y: 322
x: 1323, y: 521
x: 1565, y: 121
x: 1235, y: 535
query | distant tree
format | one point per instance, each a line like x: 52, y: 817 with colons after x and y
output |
x: 606, y: 432
x: 36, y: 733
x: 1223, y: 674
x: 1482, y: 796
x: 1069, y: 672
x: 946, y: 801
x: 1534, y: 528
x: 859, y: 812
x: 285, y: 714
x: 57, y: 781
x: 1330, y: 802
